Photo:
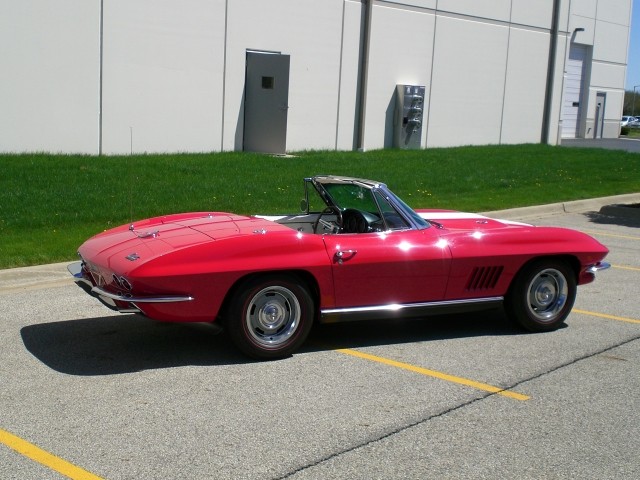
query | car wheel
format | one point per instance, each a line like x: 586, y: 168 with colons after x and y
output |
x: 270, y: 317
x: 542, y: 295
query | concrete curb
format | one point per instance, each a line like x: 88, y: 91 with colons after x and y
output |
x: 22, y: 279
x: 577, y: 206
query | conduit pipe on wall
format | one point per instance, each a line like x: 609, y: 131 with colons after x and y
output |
x: 363, y: 71
x: 548, y: 95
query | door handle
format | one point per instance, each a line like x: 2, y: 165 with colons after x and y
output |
x: 342, y: 255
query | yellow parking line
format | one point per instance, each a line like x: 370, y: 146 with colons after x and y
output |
x: 435, y: 374
x: 623, y: 267
x: 45, y: 458
x: 595, y: 232
x: 604, y: 315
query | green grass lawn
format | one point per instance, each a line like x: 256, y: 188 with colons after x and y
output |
x: 634, y: 133
x: 50, y: 203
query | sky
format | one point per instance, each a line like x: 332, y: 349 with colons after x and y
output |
x: 633, y: 65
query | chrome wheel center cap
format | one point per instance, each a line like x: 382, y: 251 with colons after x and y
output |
x: 271, y: 316
x: 545, y: 295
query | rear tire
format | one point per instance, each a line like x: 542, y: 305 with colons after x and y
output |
x: 270, y: 317
x: 542, y: 295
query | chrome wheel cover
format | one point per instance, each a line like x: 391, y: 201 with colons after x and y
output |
x: 547, y: 295
x: 272, y: 316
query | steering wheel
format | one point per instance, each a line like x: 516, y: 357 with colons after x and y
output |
x: 334, y: 228
x: 354, y: 221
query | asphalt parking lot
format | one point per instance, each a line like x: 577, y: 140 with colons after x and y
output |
x: 86, y: 393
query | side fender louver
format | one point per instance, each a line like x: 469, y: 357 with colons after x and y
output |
x: 483, y: 278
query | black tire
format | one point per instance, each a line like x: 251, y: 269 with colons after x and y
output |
x: 269, y: 317
x: 542, y: 295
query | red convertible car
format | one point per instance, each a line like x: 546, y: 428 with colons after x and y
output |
x: 356, y: 251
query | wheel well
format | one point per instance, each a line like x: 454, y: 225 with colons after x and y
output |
x: 302, y: 276
x: 570, y: 260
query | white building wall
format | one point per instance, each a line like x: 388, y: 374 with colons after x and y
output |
x: 311, y: 33
x: 348, y: 103
x: 540, y: 16
x: 606, y: 25
x: 173, y: 71
x: 525, y: 86
x: 162, y: 75
x: 400, y: 53
x: 486, y: 73
x: 499, y: 10
x: 49, y: 76
x: 467, y: 86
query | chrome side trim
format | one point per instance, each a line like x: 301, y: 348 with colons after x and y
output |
x: 124, y: 298
x: 597, y: 267
x: 408, y: 309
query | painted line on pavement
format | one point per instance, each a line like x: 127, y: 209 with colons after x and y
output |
x: 604, y: 234
x: 624, y: 267
x: 604, y: 315
x: 435, y: 374
x: 45, y: 458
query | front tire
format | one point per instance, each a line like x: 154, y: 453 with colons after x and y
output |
x: 270, y: 317
x: 542, y: 295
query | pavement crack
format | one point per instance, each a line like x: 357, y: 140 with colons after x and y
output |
x: 384, y: 436
x: 455, y: 408
x: 574, y: 361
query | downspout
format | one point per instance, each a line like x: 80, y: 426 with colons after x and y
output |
x: 364, y: 70
x: 553, y: 48
x: 224, y: 72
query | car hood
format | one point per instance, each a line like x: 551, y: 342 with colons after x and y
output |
x: 463, y: 221
x: 126, y: 246
x: 470, y: 234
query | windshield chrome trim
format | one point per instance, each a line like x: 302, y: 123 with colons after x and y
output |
x: 401, y: 207
x: 319, y: 180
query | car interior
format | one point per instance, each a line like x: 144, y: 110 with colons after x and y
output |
x: 344, y: 208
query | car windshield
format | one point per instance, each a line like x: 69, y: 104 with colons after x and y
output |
x: 349, y: 195
x: 409, y: 212
x: 374, y: 199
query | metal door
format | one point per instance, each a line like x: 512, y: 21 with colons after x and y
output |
x: 573, y: 86
x: 601, y: 99
x: 266, y: 102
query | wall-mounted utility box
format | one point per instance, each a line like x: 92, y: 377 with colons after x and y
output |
x: 408, y: 117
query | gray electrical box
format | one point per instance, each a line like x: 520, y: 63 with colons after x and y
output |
x: 409, y: 115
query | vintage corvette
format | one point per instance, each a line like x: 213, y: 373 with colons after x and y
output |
x: 356, y: 251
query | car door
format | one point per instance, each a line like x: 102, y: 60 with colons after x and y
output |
x: 384, y: 268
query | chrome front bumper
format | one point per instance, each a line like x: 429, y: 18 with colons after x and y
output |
x: 109, y: 299
x: 597, y: 267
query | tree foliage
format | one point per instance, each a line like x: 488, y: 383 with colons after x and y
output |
x: 631, y: 102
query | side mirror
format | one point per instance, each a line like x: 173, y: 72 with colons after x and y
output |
x: 304, y: 206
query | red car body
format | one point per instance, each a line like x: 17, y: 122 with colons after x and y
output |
x: 327, y: 266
